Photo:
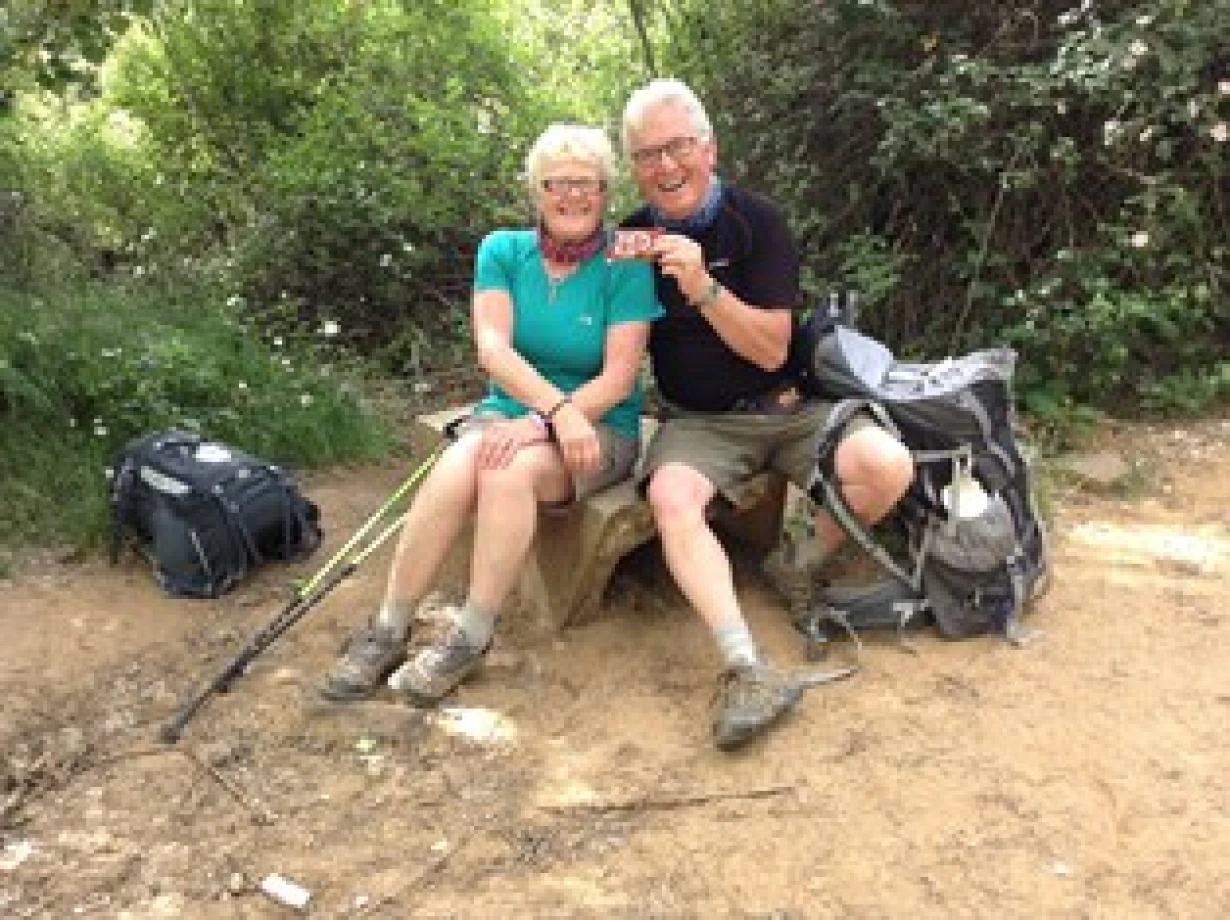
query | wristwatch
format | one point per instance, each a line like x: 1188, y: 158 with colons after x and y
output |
x: 710, y: 297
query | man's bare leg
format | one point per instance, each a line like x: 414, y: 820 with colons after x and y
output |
x: 752, y: 695
x: 874, y: 470
x: 678, y: 496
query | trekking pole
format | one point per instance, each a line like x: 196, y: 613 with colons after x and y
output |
x: 306, y: 597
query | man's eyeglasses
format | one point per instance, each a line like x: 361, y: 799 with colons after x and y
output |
x: 566, y: 186
x: 677, y: 149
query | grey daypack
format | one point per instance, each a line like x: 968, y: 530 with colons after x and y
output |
x: 206, y: 514
x: 970, y: 551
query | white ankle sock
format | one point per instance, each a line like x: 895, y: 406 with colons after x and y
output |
x: 396, y: 615
x: 478, y: 625
x: 735, y: 641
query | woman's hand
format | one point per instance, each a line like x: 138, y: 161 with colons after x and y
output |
x: 501, y: 441
x: 577, y: 440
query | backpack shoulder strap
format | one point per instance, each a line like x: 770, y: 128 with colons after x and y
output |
x: 835, y: 425
x: 823, y: 489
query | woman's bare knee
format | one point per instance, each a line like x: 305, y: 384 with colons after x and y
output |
x: 538, y: 474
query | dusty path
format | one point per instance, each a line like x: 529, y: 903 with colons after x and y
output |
x: 1084, y: 776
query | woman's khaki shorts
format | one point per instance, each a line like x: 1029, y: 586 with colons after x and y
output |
x: 728, y: 447
x: 619, y: 455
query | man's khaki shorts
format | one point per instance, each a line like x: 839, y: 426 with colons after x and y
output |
x: 728, y: 447
x: 619, y: 456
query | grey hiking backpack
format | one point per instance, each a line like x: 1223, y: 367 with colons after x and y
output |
x: 970, y: 551
x: 206, y: 514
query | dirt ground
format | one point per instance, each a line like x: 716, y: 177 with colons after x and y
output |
x: 1083, y: 776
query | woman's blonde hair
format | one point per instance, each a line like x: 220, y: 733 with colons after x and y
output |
x: 569, y: 142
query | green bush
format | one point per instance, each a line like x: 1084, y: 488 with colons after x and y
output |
x: 1047, y: 174
x: 349, y: 165
x: 83, y: 371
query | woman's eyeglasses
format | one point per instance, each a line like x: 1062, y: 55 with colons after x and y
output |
x: 677, y: 149
x: 563, y: 186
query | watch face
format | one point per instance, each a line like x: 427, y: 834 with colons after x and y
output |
x: 633, y: 244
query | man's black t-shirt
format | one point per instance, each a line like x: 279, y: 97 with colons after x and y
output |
x: 750, y: 251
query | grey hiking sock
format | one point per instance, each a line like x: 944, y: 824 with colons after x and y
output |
x: 735, y: 641
x: 396, y: 615
x: 477, y: 625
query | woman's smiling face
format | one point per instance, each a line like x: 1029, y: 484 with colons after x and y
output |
x: 571, y: 198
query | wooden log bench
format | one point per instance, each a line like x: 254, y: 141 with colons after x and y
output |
x: 575, y: 552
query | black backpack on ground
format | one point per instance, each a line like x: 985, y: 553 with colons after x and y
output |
x: 206, y: 514
x: 970, y: 551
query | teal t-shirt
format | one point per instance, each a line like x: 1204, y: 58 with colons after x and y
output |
x: 560, y: 327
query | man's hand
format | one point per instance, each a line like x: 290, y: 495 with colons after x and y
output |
x: 501, y: 441
x: 683, y: 259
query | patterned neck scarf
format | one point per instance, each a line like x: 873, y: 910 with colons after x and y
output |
x: 573, y: 252
x: 700, y: 219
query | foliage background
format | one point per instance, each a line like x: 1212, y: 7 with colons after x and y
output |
x: 185, y: 183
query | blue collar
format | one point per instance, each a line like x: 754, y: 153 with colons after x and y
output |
x: 700, y: 219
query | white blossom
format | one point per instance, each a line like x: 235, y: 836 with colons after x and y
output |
x: 305, y: 399
x: 386, y: 260
x: 1223, y: 87
x: 330, y: 328
x: 1139, y: 239
x: 1220, y: 132
x: 1136, y: 50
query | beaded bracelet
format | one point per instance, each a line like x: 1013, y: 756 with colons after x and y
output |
x: 547, y: 429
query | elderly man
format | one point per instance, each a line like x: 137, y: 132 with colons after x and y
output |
x: 727, y: 272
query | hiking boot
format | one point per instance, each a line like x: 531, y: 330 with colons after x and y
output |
x: 369, y: 657
x: 793, y: 571
x: 750, y: 698
x: 436, y: 670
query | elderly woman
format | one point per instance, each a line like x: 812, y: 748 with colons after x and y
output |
x: 560, y: 330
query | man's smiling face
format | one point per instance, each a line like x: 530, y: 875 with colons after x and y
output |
x: 671, y: 161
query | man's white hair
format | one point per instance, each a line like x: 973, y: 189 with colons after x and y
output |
x: 660, y: 94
